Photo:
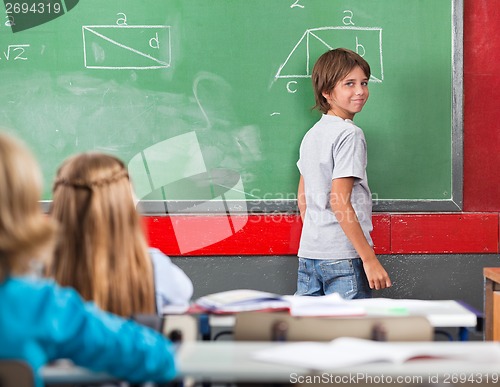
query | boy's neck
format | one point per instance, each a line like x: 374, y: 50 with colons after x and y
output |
x: 332, y: 113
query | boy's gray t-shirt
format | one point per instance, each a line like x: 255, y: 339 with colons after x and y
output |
x: 332, y: 148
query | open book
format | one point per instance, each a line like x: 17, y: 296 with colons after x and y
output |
x: 242, y: 300
x: 346, y: 351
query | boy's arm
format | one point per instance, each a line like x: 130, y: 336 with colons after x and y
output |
x: 340, y: 202
x: 301, y: 198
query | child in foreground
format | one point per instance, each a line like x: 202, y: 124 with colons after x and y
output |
x: 40, y: 321
x: 336, y: 250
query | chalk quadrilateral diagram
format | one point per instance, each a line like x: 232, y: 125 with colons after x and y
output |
x: 114, y: 47
x: 366, y: 41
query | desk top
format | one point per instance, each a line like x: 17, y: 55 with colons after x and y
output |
x: 233, y: 361
x: 450, y: 313
x: 69, y: 374
x: 228, y: 361
x: 440, y: 313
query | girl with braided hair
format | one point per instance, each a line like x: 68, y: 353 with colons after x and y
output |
x: 102, y: 250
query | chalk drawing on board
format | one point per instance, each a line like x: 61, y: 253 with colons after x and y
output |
x: 366, y: 41
x: 181, y: 158
x: 114, y: 47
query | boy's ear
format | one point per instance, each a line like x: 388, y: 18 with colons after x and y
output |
x: 325, y: 94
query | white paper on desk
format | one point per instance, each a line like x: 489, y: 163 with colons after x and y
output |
x: 345, y: 352
x: 329, y: 305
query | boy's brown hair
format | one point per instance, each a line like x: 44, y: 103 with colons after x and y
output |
x: 331, y: 68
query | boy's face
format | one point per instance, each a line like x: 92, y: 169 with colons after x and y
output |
x: 349, y: 95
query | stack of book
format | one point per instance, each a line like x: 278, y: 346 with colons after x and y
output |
x: 243, y: 300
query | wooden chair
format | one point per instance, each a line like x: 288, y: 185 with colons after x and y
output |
x: 277, y: 326
x: 16, y: 373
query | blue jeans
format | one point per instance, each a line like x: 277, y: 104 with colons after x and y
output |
x: 317, y: 277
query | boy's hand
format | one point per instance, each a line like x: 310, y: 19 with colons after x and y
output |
x: 376, y: 274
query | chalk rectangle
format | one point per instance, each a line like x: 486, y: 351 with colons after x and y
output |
x: 117, y: 47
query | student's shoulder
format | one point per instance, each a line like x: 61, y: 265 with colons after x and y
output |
x: 43, y: 298
x: 30, y: 284
x: 348, y: 129
x: 334, y: 123
x: 158, y: 257
x: 156, y: 253
x: 332, y: 128
x: 352, y: 126
x: 36, y: 289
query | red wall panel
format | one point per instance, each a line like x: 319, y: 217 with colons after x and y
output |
x: 444, y: 233
x: 481, y: 105
x: 280, y: 234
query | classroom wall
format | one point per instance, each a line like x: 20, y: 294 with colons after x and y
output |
x: 429, y: 255
x: 427, y: 276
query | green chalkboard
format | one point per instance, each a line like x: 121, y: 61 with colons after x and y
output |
x: 207, y: 101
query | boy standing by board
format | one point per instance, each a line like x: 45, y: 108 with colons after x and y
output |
x: 336, y: 250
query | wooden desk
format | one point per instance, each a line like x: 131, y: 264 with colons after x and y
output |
x: 491, y: 303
